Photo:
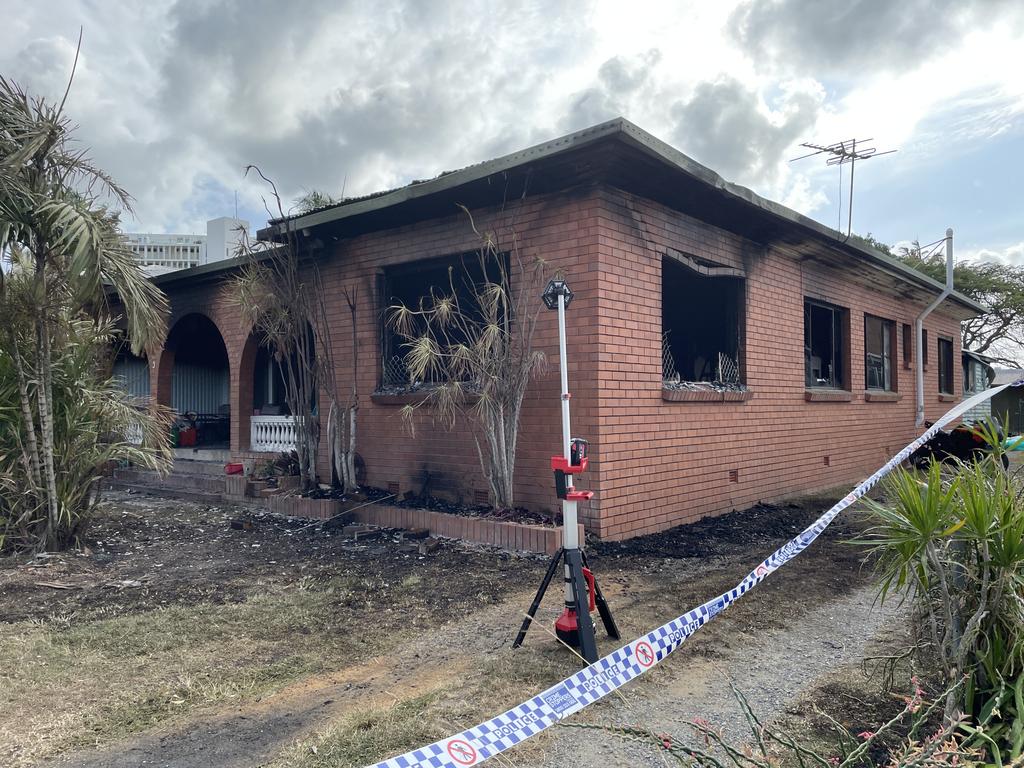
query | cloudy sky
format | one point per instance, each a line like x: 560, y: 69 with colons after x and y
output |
x: 176, y: 98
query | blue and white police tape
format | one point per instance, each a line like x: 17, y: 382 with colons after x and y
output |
x: 563, y: 699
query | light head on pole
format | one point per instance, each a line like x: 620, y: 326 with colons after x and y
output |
x: 555, y: 289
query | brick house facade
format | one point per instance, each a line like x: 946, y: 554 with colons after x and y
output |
x: 645, y: 237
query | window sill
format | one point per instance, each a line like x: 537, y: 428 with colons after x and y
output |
x: 705, y: 395
x: 945, y: 397
x: 407, y: 398
x: 823, y: 395
x: 882, y: 396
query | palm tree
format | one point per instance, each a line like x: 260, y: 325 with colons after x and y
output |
x: 60, y: 237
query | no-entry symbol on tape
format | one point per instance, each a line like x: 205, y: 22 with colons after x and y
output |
x: 462, y: 752
x: 644, y: 653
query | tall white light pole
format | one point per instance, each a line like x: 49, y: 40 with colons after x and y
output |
x: 582, y: 594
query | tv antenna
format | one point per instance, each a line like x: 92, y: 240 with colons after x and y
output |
x: 840, y: 153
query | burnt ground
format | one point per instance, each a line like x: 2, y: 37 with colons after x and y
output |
x: 144, y: 553
x: 174, y: 638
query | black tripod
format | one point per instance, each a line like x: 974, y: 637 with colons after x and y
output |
x: 586, y: 593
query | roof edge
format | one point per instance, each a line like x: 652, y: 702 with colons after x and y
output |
x: 466, y: 175
x: 631, y: 133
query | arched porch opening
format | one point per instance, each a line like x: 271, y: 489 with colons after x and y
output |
x: 195, y: 375
x: 271, y: 424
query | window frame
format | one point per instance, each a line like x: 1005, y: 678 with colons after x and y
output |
x: 945, y: 365
x: 888, y: 329
x: 840, y: 349
x: 389, y: 345
x: 734, y: 284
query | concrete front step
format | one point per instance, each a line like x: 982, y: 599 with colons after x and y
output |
x: 144, y: 478
x: 163, y: 492
x: 192, y: 467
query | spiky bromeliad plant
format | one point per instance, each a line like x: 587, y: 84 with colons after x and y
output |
x: 951, y: 541
x: 61, y: 254
x: 471, y: 342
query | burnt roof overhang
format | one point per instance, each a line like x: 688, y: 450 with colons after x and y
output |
x: 619, y: 154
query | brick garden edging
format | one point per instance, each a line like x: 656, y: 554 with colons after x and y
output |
x: 518, y: 537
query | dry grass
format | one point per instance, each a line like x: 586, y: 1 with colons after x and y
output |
x: 502, y: 681
x: 70, y: 684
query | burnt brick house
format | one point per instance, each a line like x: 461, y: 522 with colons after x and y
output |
x: 724, y: 349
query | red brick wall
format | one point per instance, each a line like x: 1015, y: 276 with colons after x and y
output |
x: 665, y: 463
x: 562, y: 230
x: 655, y: 464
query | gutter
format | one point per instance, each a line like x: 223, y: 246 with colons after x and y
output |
x: 919, y: 327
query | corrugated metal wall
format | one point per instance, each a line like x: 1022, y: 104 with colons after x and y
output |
x: 132, y: 375
x: 198, y: 388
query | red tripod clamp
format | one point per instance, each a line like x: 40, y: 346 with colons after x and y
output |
x: 574, y: 465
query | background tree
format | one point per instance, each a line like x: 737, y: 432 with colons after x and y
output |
x: 63, y: 253
x: 475, y: 347
x: 999, y: 332
x: 280, y: 293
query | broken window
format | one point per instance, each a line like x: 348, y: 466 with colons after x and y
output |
x: 824, y: 345
x: 701, y: 323
x: 946, y: 366
x: 417, y: 285
x: 879, y: 337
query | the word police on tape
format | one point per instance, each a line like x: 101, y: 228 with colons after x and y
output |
x: 477, y: 744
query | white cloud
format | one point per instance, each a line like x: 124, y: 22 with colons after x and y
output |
x: 1011, y: 254
x: 176, y: 97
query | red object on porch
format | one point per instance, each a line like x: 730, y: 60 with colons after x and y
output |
x: 233, y: 469
x: 187, y: 437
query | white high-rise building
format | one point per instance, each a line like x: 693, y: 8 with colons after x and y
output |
x: 167, y: 252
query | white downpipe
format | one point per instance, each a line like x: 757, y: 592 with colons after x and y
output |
x: 919, y: 327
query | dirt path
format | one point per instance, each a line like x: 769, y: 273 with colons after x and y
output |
x: 772, y: 669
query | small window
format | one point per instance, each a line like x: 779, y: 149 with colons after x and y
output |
x: 824, y: 345
x: 701, y: 325
x: 946, y: 366
x: 879, y: 335
x: 924, y: 349
x: 908, y: 346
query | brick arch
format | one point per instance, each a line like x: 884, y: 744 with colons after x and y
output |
x: 162, y: 365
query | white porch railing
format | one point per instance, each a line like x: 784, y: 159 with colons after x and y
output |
x: 272, y: 434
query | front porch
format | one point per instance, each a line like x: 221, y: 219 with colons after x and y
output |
x: 205, y: 379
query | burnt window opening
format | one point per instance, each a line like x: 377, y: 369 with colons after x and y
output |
x: 924, y: 348
x: 908, y: 346
x: 416, y: 286
x: 945, y: 348
x: 824, y: 345
x: 701, y: 326
x: 879, y: 340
